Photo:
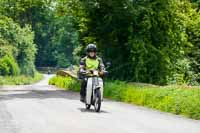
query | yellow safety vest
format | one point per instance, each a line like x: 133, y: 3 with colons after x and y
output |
x: 92, y: 64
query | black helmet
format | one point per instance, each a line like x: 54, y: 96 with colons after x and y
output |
x: 91, y: 48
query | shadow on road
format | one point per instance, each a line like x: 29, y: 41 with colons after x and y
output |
x: 91, y: 110
x: 37, y: 94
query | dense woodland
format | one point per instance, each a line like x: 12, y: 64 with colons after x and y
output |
x: 150, y: 41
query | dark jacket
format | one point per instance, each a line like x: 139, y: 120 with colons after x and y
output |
x: 83, y: 66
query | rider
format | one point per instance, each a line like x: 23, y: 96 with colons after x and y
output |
x: 88, y: 63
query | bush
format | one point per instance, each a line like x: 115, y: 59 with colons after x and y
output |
x: 65, y: 82
x: 19, y: 43
x: 183, y: 100
x: 7, y: 49
x: 8, y: 66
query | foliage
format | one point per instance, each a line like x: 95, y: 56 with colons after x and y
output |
x: 143, y: 39
x: 20, y: 80
x: 146, y: 41
x: 193, y: 54
x: 7, y: 49
x: 55, y: 34
x: 180, y: 100
x: 8, y: 66
x: 65, y: 82
x: 184, y: 73
x: 18, y: 43
x: 64, y: 40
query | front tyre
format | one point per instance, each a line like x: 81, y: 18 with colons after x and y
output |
x: 87, y: 106
x: 97, y: 103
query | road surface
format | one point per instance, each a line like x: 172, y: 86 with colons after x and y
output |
x: 41, y: 108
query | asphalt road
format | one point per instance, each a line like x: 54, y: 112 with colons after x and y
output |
x: 41, y: 108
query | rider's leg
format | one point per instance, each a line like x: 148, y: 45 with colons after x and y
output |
x: 83, y: 89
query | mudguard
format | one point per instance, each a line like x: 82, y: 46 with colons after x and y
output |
x: 101, y: 87
x: 89, y: 89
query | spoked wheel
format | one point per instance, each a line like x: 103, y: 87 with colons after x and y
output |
x: 97, y: 102
x: 87, y: 106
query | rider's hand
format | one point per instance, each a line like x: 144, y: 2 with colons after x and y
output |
x: 90, y: 71
x: 101, y: 73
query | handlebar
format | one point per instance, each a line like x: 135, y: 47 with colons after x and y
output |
x: 105, y: 72
x: 87, y: 72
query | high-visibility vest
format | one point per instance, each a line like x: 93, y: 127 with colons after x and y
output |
x: 92, y: 64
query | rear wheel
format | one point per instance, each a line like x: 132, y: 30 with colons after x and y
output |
x: 97, y: 103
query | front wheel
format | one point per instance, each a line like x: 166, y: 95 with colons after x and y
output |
x: 97, y: 104
x: 87, y: 106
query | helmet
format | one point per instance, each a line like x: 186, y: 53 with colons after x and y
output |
x: 91, y: 48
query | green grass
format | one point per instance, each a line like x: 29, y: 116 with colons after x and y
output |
x: 174, y: 99
x: 20, y: 80
x: 180, y: 100
x: 67, y: 83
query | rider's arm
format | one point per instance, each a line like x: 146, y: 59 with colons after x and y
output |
x: 101, y: 66
x: 82, y: 66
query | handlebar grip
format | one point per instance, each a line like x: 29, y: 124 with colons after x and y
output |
x: 85, y: 72
x: 105, y: 72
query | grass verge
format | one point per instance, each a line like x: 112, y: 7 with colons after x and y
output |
x: 20, y: 80
x: 180, y: 100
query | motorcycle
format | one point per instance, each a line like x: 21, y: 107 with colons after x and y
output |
x: 94, y: 89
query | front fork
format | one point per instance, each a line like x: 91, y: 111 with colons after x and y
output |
x: 93, y: 84
x: 97, y: 85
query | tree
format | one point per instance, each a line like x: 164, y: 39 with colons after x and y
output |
x: 144, y: 39
x: 54, y: 33
x: 19, y: 45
